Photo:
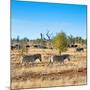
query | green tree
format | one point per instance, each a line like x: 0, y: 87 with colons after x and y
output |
x: 60, y: 42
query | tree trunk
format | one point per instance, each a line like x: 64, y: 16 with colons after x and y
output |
x: 60, y: 52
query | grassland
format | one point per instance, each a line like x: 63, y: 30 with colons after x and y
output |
x: 45, y: 74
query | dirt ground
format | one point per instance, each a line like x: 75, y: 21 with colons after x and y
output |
x: 45, y: 74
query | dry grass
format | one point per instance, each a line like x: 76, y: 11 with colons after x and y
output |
x: 43, y: 74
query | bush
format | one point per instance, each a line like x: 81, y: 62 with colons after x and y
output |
x: 60, y: 42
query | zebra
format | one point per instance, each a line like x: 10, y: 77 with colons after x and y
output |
x: 59, y: 58
x: 31, y: 58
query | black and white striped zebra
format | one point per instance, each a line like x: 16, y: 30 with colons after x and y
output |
x: 31, y: 58
x: 59, y: 58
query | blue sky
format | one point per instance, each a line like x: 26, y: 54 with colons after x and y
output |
x: 29, y: 19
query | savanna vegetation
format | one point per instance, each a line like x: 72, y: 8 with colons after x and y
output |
x: 44, y: 73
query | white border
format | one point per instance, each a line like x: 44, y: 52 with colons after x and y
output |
x: 5, y: 44
x: 84, y: 2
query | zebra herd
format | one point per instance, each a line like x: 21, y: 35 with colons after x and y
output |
x: 53, y: 58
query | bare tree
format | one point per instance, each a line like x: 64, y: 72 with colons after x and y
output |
x: 49, y: 35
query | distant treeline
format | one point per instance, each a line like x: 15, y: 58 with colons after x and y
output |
x: 60, y: 41
x: 49, y: 37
